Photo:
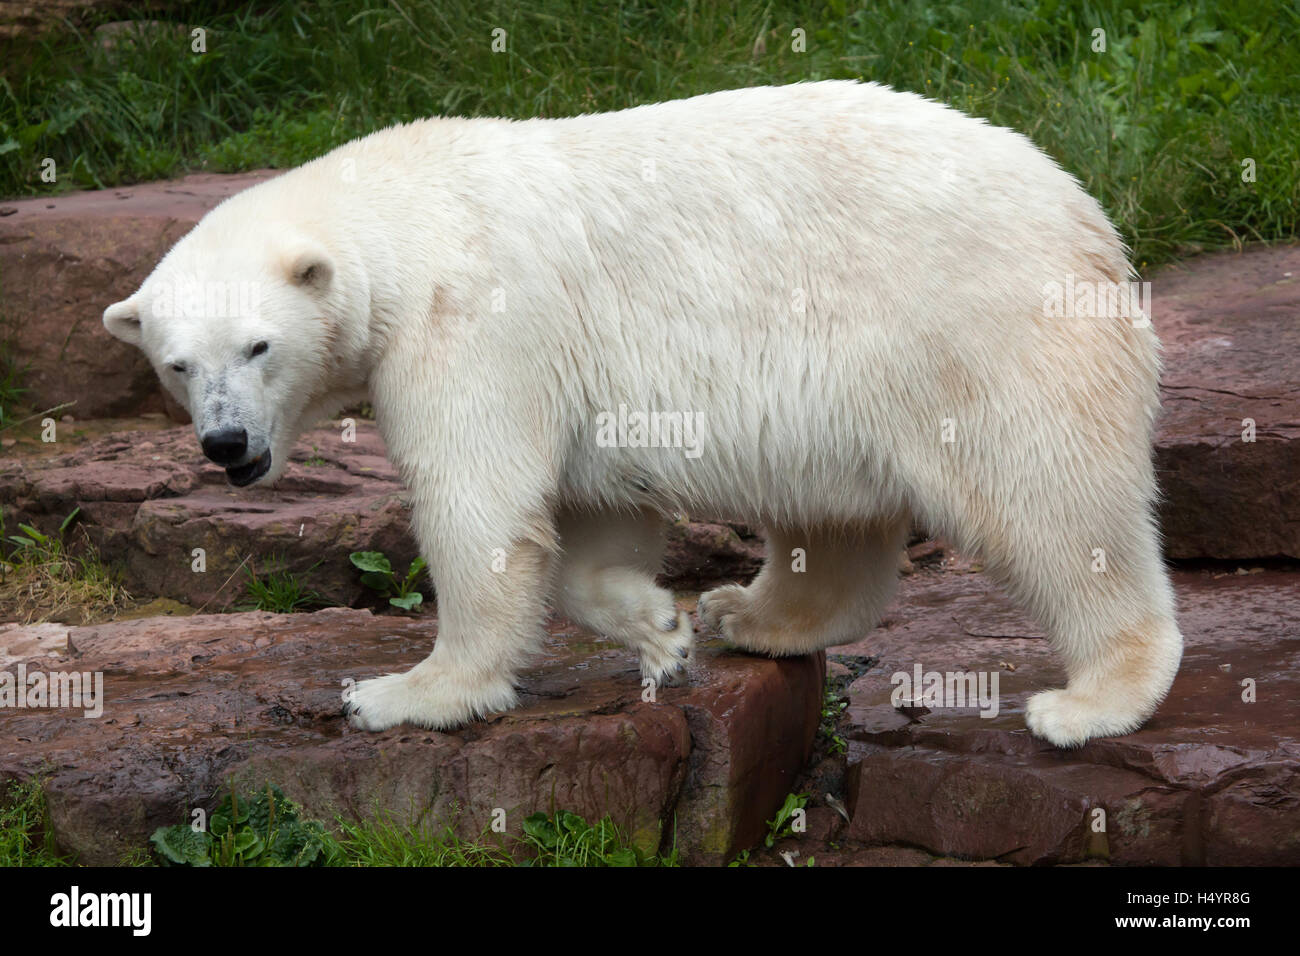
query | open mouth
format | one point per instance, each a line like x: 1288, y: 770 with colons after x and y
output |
x: 241, y: 475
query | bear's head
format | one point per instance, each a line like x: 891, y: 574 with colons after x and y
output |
x: 242, y: 326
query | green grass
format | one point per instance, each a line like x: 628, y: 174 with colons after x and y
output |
x: 279, y: 591
x: 566, y: 839
x: 264, y: 828
x: 44, y: 577
x: 1156, y: 127
x: 25, y: 838
x: 561, y: 839
x: 383, y: 842
x: 13, y: 371
x: 834, y: 703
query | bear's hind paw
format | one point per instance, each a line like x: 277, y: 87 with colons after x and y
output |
x: 1069, y: 719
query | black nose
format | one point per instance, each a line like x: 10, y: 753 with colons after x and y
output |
x: 227, y: 446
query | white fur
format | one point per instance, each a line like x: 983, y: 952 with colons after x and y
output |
x: 495, y: 286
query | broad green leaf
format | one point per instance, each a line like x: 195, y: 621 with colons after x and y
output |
x: 540, y: 828
x: 407, y: 602
x: 623, y: 857
x: 248, y: 844
x: 371, y: 561
x: 181, y: 845
x: 377, y: 580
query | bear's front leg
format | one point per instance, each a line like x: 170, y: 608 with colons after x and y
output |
x: 490, y: 609
x: 478, y: 456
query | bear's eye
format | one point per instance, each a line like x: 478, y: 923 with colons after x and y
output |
x: 179, y: 368
x: 258, y: 349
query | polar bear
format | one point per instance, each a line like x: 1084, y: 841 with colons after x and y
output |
x: 841, y: 288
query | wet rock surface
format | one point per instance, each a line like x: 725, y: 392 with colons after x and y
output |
x: 193, y: 703
x: 1211, y: 779
x: 23, y: 19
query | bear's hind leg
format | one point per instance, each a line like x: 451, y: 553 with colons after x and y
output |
x: 1108, y: 609
x: 606, y: 585
x: 1078, y: 547
x: 817, y: 589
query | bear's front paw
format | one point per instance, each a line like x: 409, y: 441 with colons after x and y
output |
x: 423, y: 699
x: 1067, y: 718
x: 666, y: 655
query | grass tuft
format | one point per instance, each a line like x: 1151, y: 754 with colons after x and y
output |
x: 44, y: 578
x: 25, y: 834
x: 279, y: 591
x: 381, y: 841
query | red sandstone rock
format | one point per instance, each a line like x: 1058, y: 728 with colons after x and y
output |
x: 1210, y: 779
x: 192, y: 703
x: 1231, y: 329
x: 66, y: 258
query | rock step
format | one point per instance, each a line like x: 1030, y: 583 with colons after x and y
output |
x: 1228, y: 322
x: 1211, y: 779
x: 192, y: 703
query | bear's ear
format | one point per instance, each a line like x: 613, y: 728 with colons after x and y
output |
x: 311, y: 267
x: 122, y: 319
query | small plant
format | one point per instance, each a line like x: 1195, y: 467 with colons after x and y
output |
x: 37, y: 543
x: 566, y: 839
x: 378, y: 574
x: 779, y: 828
x: 136, y: 857
x: 25, y: 835
x: 259, y: 830
x: 44, y: 580
x: 833, y: 706
x: 280, y: 591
